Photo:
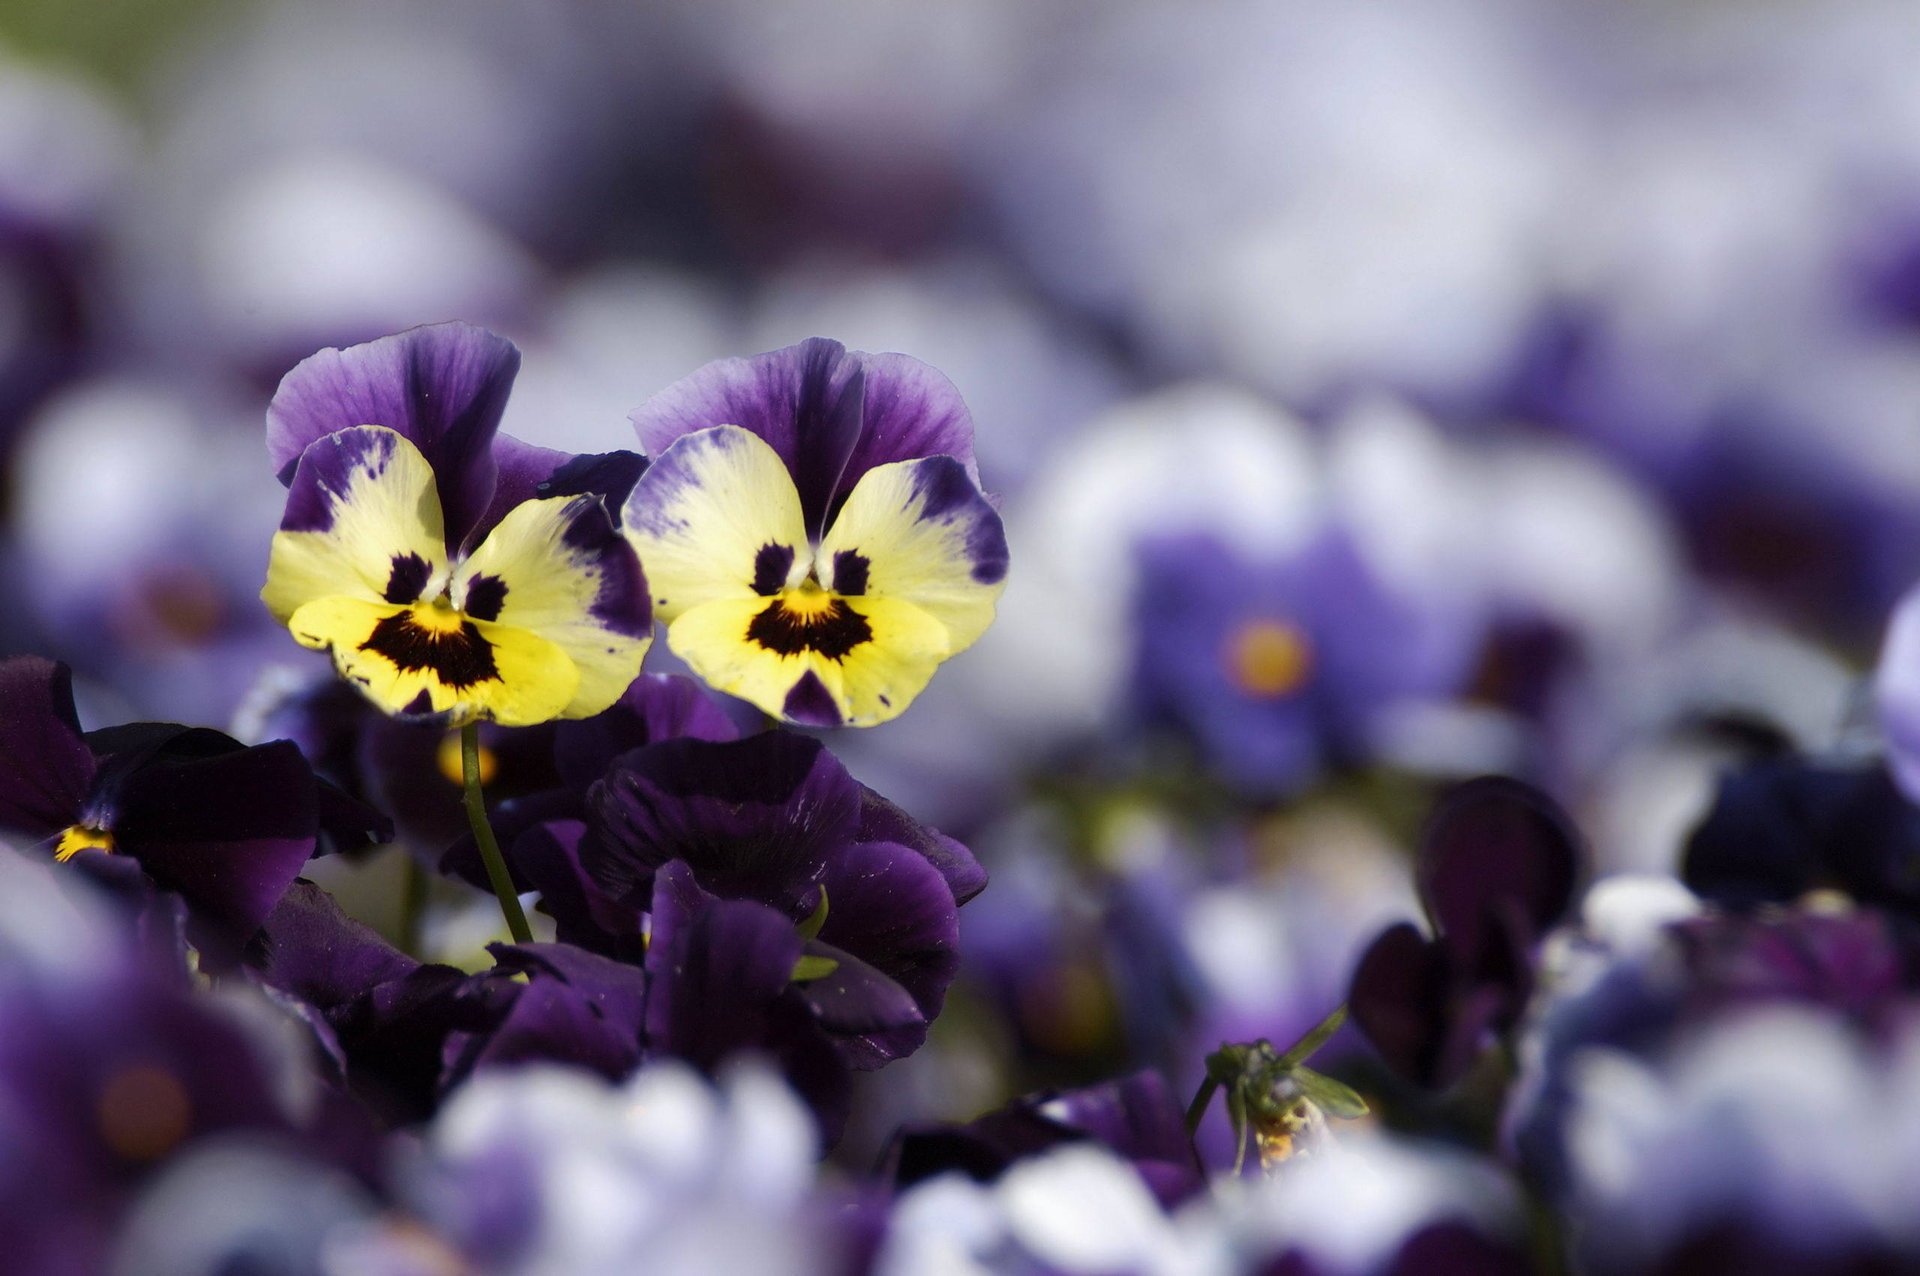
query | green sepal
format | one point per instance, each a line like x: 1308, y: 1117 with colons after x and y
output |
x: 1334, y: 1098
x: 810, y: 968
x: 810, y: 928
x: 1302, y: 1050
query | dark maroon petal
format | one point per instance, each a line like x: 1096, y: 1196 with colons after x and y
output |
x: 912, y: 411
x: 549, y: 856
x: 46, y: 768
x: 576, y: 1008
x: 888, y: 906
x: 805, y: 400
x: 531, y: 473
x: 443, y: 386
x: 656, y: 707
x: 229, y: 832
x: 873, y: 1018
x: 1455, y: 1249
x: 1496, y: 848
x: 717, y: 966
x: 754, y: 818
x: 882, y: 821
x: 314, y: 951
x: 720, y: 984
x: 1398, y: 999
x: 1142, y: 1119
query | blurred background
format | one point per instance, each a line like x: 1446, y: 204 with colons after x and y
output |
x: 1378, y: 394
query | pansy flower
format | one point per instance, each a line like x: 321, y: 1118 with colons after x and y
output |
x: 814, y: 531
x: 225, y: 826
x: 1496, y: 870
x: 869, y: 897
x: 448, y: 570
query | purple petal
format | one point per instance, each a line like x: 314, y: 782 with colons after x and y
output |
x: 1398, y: 997
x: 575, y: 1008
x: 805, y: 400
x: 912, y: 411
x: 443, y: 386
x: 875, y: 1018
x: 755, y: 818
x: 230, y: 832
x: 1141, y: 1118
x: 313, y: 950
x: 656, y: 707
x: 887, y: 905
x: 716, y: 968
x: 882, y: 821
x: 1496, y: 848
x: 46, y: 768
x: 529, y: 473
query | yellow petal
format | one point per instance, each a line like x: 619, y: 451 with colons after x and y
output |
x: 920, y: 532
x: 715, y: 515
x: 558, y: 568
x: 363, y: 521
x: 431, y: 660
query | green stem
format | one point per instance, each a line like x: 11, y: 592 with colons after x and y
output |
x: 483, y: 836
x: 413, y: 904
x: 1198, y: 1108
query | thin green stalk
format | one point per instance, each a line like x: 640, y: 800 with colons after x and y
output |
x: 1198, y: 1108
x: 413, y: 904
x: 483, y: 836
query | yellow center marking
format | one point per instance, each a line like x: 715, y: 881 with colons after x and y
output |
x: 77, y: 838
x: 1268, y: 659
x: 807, y: 600
x: 143, y: 1112
x: 451, y: 767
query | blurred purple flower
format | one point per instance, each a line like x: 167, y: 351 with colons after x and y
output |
x: 1496, y: 870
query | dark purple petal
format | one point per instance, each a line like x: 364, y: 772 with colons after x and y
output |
x: 1450, y: 1248
x: 548, y: 857
x: 229, y: 832
x: 46, y: 768
x: 912, y: 411
x: 805, y: 400
x: 887, y: 905
x: 312, y: 950
x: 575, y: 1008
x: 755, y: 818
x: 720, y: 984
x: 531, y: 473
x: 882, y: 821
x: 1496, y: 848
x: 859, y: 1005
x: 656, y: 707
x: 1142, y: 1119
x: 443, y: 386
x: 1399, y: 998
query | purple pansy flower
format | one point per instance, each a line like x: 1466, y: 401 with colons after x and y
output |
x: 776, y: 820
x: 1138, y: 1117
x: 1496, y: 870
x: 226, y: 826
x: 1276, y: 668
x: 449, y: 570
x: 814, y: 531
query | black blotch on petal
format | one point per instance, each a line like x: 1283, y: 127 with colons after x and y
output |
x: 407, y: 578
x: 770, y: 568
x: 485, y: 597
x: 850, y: 572
x: 458, y: 657
x: 833, y: 632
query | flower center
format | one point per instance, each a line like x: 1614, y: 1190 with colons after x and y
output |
x: 1268, y: 659
x: 438, y: 639
x: 809, y: 618
x: 79, y: 837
